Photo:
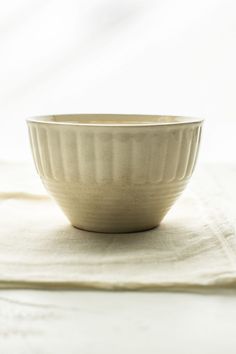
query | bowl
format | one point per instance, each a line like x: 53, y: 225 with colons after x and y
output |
x: 115, y: 173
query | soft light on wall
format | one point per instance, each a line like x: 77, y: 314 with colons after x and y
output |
x: 167, y: 57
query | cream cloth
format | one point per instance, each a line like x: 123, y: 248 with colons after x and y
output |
x: 194, y: 247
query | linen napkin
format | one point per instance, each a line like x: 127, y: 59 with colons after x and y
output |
x: 195, y: 246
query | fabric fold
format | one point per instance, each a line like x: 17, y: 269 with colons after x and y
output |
x: 194, y: 247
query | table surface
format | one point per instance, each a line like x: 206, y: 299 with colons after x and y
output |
x: 91, y: 322
x: 88, y: 322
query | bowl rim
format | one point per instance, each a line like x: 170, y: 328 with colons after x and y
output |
x: 183, y: 120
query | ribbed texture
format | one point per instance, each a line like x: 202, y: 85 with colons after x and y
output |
x: 118, y: 179
x: 117, y: 209
x: 97, y: 157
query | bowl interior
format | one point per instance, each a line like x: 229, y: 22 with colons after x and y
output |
x: 113, y: 119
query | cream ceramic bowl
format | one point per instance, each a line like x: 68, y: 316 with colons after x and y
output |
x: 115, y: 173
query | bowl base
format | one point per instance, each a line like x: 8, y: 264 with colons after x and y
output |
x: 110, y: 231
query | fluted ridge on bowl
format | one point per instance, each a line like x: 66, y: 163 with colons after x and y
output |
x: 113, y: 156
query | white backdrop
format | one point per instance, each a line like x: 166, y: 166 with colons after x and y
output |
x: 124, y: 56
